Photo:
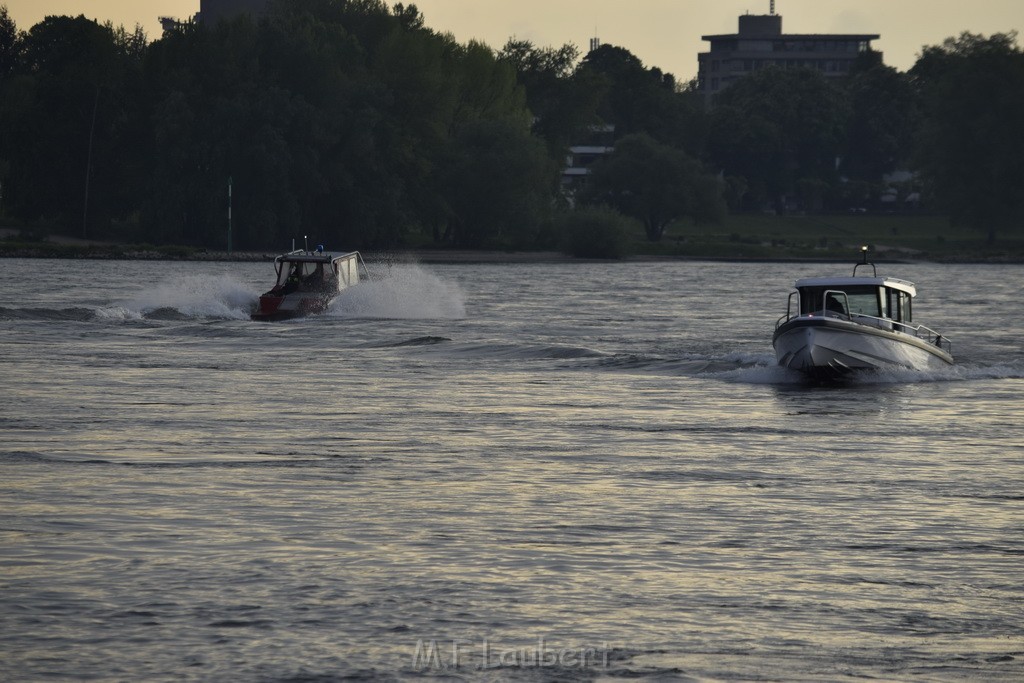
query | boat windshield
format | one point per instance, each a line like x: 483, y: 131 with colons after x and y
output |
x: 299, y: 270
x: 846, y: 299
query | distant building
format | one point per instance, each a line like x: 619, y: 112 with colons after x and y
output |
x: 212, y: 11
x: 597, y: 144
x: 172, y: 24
x: 760, y: 43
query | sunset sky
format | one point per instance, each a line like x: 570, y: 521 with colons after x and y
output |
x: 662, y: 33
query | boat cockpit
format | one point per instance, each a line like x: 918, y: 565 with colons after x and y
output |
x: 881, y: 298
x: 881, y: 302
x: 303, y: 271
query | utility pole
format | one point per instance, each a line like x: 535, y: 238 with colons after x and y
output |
x: 88, y: 167
x: 230, y: 182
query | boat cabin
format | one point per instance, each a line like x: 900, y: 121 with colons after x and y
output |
x: 303, y: 271
x: 857, y: 297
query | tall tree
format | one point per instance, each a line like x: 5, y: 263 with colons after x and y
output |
x: 562, y: 98
x: 68, y: 150
x: 655, y: 184
x: 884, y: 114
x: 776, y: 127
x: 10, y: 43
x: 971, y: 146
x: 641, y: 100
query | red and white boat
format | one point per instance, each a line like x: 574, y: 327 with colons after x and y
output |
x: 307, y: 283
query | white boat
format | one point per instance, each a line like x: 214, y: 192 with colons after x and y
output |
x: 307, y: 283
x: 837, y: 325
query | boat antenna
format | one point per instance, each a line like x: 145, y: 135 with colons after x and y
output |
x: 306, y: 241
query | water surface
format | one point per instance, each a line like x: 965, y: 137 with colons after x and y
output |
x: 527, y: 472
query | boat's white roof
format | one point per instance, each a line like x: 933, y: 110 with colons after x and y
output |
x: 313, y: 257
x: 839, y: 282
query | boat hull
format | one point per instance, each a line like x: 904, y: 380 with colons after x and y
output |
x: 294, y: 305
x: 826, y: 348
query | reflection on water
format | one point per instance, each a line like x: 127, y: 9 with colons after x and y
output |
x: 524, y: 463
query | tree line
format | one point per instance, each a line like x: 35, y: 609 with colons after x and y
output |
x: 354, y: 122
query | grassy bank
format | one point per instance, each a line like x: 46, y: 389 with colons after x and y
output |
x: 747, y: 236
x: 831, y: 236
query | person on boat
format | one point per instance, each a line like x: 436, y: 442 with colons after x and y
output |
x: 293, y: 281
x: 834, y: 305
x: 315, y: 280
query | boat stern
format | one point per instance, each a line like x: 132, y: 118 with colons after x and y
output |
x: 268, y: 308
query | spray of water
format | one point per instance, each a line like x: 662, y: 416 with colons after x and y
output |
x: 194, y: 296
x: 402, y: 292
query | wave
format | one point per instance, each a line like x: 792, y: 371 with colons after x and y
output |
x: 738, y: 367
x: 58, y: 314
x: 955, y: 373
x: 505, y: 352
x: 191, y: 296
x: 402, y: 292
x: 769, y: 373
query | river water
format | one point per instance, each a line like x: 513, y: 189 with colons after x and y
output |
x: 500, y: 472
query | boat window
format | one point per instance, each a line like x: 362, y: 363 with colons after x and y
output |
x: 899, y: 305
x: 862, y: 300
x: 286, y: 271
x: 298, y: 270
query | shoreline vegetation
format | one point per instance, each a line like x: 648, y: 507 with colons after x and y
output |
x: 354, y: 122
x: 743, y: 237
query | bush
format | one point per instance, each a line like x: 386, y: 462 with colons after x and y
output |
x: 595, y: 233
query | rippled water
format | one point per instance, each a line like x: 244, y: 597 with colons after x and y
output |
x: 494, y: 472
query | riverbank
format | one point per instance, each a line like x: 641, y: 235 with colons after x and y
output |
x: 740, y: 238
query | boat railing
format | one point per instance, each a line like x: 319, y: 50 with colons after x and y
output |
x: 362, y: 264
x: 927, y: 334
x: 789, y: 311
x: 823, y: 310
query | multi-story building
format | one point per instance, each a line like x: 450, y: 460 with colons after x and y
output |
x: 760, y: 43
x: 597, y: 144
x: 212, y: 11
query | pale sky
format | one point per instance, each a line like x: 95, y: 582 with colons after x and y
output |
x: 661, y: 33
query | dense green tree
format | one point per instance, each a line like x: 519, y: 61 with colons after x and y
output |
x: 884, y: 113
x: 10, y: 43
x: 10, y: 49
x: 641, y: 100
x: 776, y: 127
x: 655, y: 184
x: 562, y: 98
x: 340, y: 117
x: 352, y: 122
x: 68, y: 112
x: 499, y: 183
x: 971, y: 144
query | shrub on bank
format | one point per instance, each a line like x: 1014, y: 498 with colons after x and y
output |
x: 595, y: 233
